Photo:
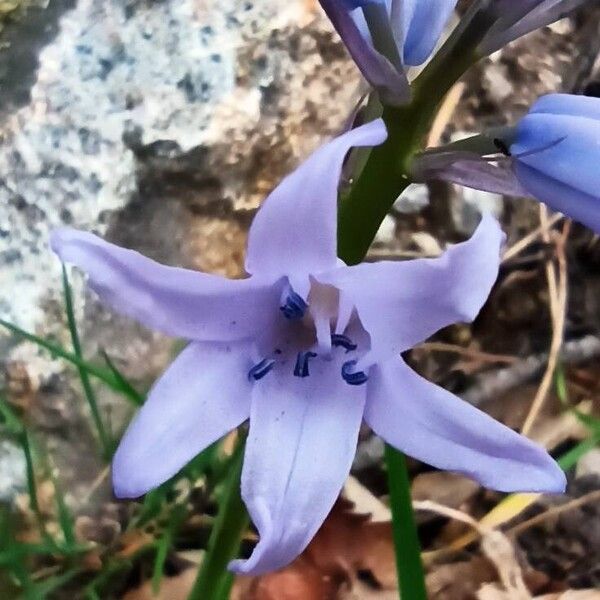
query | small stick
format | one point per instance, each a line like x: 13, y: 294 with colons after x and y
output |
x: 553, y: 512
x: 557, y: 287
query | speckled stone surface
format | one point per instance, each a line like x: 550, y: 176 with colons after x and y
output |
x: 154, y: 108
x: 160, y: 125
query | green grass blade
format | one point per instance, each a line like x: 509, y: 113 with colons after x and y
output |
x: 88, y: 390
x: 60, y: 352
x: 10, y: 420
x: 65, y: 518
x: 51, y: 584
x: 126, y: 387
x: 23, y: 438
x: 164, y: 543
x: 569, y: 459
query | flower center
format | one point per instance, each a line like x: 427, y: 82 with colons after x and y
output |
x: 316, y: 329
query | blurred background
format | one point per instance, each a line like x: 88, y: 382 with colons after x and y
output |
x: 161, y: 125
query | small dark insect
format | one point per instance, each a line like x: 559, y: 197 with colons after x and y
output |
x: 502, y: 147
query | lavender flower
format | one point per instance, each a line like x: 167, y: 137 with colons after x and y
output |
x: 552, y: 155
x: 515, y: 19
x: 385, y: 35
x: 305, y: 347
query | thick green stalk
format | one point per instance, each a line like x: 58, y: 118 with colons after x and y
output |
x: 225, y: 538
x: 385, y: 176
x: 411, y: 577
x: 387, y: 171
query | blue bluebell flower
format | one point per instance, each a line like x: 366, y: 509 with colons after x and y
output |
x: 305, y: 347
x: 517, y: 18
x: 385, y: 36
x: 551, y: 155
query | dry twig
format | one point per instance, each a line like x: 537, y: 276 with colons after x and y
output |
x: 557, y: 289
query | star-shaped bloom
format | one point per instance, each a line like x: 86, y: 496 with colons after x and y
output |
x: 385, y: 36
x: 305, y: 348
x: 551, y: 155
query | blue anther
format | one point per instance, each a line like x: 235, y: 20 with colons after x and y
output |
x: 301, y: 368
x: 343, y: 341
x: 294, y: 307
x: 259, y: 370
x: 353, y: 378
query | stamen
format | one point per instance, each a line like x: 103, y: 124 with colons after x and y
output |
x: 357, y: 378
x: 294, y: 307
x: 339, y: 340
x: 301, y: 368
x: 259, y: 370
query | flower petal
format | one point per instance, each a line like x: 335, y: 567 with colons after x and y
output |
x: 303, y: 435
x: 349, y: 22
x: 178, y: 302
x: 519, y: 18
x: 294, y: 232
x: 203, y: 395
x: 567, y: 148
x: 423, y: 22
x: 469, y: 169
x: 433, y: 425
x: 560, y: 197
x: 402, y: 303
x: 567, y: 104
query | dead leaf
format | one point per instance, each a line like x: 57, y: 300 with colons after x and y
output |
x: 459, y: 580
x: 348, y: 547
x: 445, y: 488
x: 572, y: 595
x: 300, y: 581
x: 499, y: 550
x: 171, y: 588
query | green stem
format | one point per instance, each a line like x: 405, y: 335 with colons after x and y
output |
x: 384, y: 177
x: 387, y: 171
x: 411, y: 577
x: 225, y: 538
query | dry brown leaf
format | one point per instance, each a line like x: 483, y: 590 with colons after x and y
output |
x: 459, y: 580
x: 449, y: 489
x: 499, y: 550
x: 347, y: 545
x: 171, y: 588
x: 300, y: 581
x: 572, y: 595
x: 132, y: 541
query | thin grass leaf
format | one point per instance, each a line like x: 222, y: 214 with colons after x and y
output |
x: 164, y: 543
x: 10, y: 420
x: 571, y: 458
x: 127, y: 388
x: 23, y: 438
x: 51, y: 584
x: 65, y: 518
x: 88, y: 390
x: 59, y: 352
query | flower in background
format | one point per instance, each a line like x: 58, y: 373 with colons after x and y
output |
x: 515, y: 19
x: 384, y: 36
x: 552, y: 155
x: 305, y: 347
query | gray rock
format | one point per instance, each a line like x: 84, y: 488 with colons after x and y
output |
x: 13, y: 478
x: 413, y: 200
